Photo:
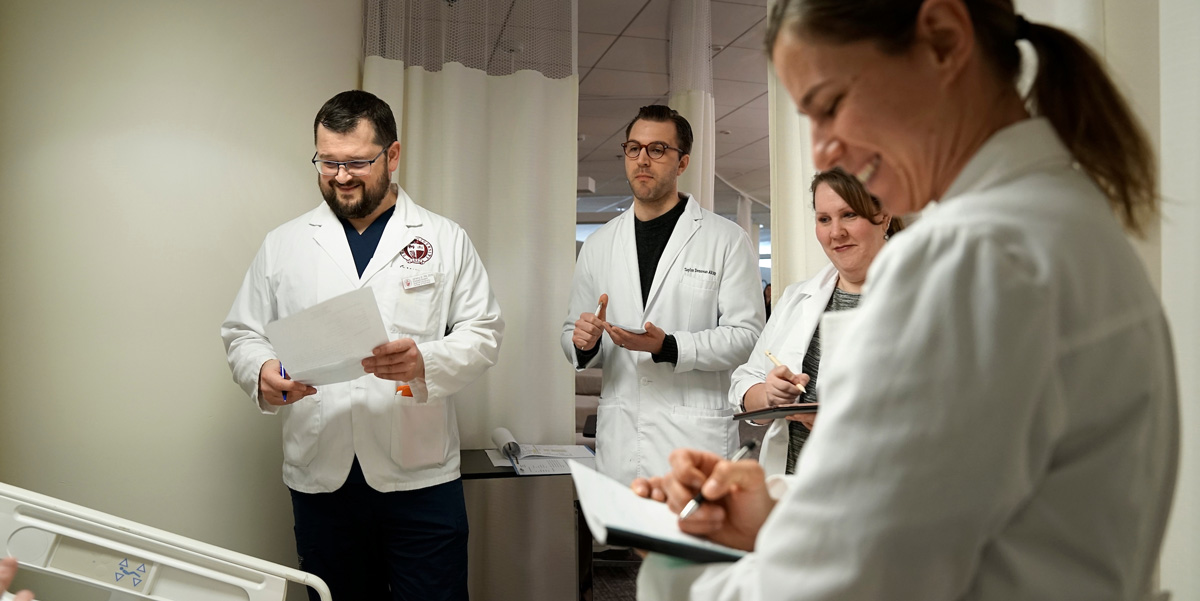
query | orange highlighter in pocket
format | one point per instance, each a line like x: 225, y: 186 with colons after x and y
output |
x: 404, y: 390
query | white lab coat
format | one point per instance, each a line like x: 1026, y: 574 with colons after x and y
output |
x: 1001, y: 420
x: 706, y: 292
x: 787, y: 335
x: 455, y: 321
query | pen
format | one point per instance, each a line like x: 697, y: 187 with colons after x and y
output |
x: 283, y: 374
x: 694, y: 504
x: 598, y: 307
x: 779, y: 364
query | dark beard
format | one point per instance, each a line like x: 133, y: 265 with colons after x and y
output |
x: 372, y: 196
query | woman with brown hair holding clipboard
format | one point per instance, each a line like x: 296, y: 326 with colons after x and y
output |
x: 782, y: 369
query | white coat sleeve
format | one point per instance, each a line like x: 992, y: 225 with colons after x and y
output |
x: 583, y: 300
x: 740, y: 315
x: 474, y: 327
x: 939, y: 418
x: 246, y: 346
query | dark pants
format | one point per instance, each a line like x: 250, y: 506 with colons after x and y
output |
x: 396, y: 546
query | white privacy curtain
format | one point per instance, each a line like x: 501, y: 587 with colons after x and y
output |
x: 692, y: 93
x: 486, y: 99
x: 796, y: 254
x: 497, y: 154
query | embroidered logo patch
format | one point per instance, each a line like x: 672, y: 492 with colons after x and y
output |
x: 418, y: 251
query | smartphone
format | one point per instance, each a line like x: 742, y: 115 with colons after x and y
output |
x: 629, y: 329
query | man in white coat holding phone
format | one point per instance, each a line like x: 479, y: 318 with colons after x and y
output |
x: 676, y: 289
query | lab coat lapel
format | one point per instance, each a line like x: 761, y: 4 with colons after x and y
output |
x: 329, y: 234
x: 398, y: 232
x: 685, y: 228
x: 813, y: 305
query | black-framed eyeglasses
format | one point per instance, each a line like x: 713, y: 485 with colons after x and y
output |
x: 352, y: 167
x: 654, y: 149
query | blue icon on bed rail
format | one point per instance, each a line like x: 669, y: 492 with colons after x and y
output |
x: 138, y: 575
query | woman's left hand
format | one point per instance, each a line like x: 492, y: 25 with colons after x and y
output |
x: 807, y: 419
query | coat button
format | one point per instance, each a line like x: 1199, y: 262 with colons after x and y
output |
x: 645, y: 381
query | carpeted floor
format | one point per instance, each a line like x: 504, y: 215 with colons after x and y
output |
x: 615, y: 584
x: 615, y: 580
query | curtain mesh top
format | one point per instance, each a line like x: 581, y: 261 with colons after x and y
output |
x: 691, y: 46
x: 499, y: 37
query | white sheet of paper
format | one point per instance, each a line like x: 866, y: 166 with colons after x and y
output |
x: 326, y: 343
x: 606, y: 502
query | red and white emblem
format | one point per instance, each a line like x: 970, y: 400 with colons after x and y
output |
x: 418, y: 251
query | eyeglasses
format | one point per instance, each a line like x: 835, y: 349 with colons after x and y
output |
x: 352, y: 167
x: 654, y: 149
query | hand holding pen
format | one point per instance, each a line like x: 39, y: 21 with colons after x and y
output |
x: 734, y: 504
x: 694, y: 504
x: 782, y: 386
x: 590, y: 326
x: 276, y: 388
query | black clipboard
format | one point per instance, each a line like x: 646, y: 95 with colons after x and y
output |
x: 777, y: 411
x: 700, y: 554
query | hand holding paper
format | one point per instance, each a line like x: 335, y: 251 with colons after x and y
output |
x: 326, y: 343
x: 398, y: 360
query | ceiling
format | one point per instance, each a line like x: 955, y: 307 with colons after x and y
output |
x: 623, y: 65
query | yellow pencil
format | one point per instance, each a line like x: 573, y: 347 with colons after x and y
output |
x: 780, y: 364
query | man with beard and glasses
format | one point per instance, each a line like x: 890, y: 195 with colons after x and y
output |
x: 676, y: 287
x: 372, y: 464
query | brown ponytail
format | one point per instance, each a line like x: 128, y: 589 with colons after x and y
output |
x: 1071, y: 89
x: 1091, y: 117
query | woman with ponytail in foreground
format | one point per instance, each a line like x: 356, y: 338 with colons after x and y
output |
x: 1000, y: 419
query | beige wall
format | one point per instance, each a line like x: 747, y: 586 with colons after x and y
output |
x: 147, y: 148
x: 1180, y: 153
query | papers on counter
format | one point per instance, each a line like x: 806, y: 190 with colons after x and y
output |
x: 326, y: 343
x: 617, y: 516
x: 536, y: 459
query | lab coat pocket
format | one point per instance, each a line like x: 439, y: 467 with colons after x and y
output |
x: 417, y: 305
x: 616, y: 430
x: 419, y: 439
x: 301, y: 430
x: 700, y: 278
x: 701, y: 289
x: 707, y: 429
